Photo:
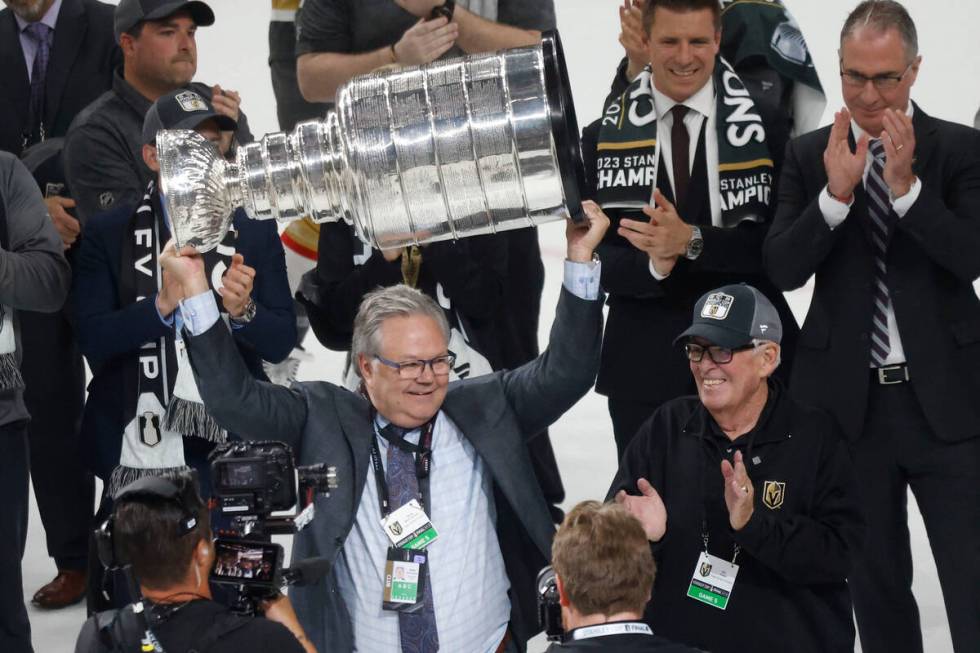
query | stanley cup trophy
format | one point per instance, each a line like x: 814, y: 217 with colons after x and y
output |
x: 454, y: 148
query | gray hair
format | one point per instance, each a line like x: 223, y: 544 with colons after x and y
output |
x: 882, y: 15
x: 383, y: 303
x: 758, y: 342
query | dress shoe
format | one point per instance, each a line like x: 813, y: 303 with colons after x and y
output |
x: 67, y: 588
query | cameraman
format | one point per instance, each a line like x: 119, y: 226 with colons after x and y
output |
x: 172, y: 568
x: 604, y: 571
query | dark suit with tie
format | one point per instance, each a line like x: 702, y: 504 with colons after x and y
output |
x: 923, y: 433
x: 82, y: 57
x: 80, y: 70
x: 496, y: 413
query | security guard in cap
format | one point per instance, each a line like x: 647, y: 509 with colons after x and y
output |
x: 746, y: 495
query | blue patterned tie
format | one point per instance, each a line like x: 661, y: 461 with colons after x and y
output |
x: 42, y: 35
x: 417, y: 629
x: 880, y: 211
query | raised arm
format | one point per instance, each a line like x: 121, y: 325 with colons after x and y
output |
x: 254, y: 409
x: 541, y: 390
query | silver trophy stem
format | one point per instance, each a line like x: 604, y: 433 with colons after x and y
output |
x: 474, y: 145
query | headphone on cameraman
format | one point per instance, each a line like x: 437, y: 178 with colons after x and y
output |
x: 180, y: 491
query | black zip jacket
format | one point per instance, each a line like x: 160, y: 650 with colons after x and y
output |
x: 795, y: 552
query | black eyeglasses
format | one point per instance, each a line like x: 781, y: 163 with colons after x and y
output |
x: 881, y: 82
x: 720, y: 355
x: 440, y: 366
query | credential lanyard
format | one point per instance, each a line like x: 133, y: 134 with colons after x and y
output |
x: 423, y: 463
x: 704, y: 494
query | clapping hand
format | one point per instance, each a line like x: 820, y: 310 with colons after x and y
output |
x: 425, y: 41
x: 739, y: 493
x: 632, y: 36
x: 648, y: 508
x: 845, y: 169
x: 664, y: 238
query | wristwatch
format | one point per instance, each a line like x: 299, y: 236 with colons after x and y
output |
x: 696, y: 245
x: 445, y: 9
x: 247, y: 315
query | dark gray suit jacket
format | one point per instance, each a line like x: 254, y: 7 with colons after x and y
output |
x: 326, y: 423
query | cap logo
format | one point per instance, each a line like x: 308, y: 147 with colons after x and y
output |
x: 190, y: 101
x: 717, y: 306
x: 763, y: 327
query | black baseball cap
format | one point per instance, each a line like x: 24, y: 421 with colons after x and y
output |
x: 181, y: 109
x: 130, y: 13
x: 732, y: 316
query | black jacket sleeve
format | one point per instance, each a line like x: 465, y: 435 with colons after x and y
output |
x: 816, y: 547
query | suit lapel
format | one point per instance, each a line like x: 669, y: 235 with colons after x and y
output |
x: 68, y: 36
x: 924, y: 127
x: 354, y: 416
x: 13, y: 74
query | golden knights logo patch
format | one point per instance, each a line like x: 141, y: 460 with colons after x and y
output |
x: 705, y: 569
x: 773, y: 493
x: 717, y: 305
x: 395, y: 528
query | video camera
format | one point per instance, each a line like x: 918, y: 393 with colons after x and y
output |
x: 549, y: 605
x: 250, y: 481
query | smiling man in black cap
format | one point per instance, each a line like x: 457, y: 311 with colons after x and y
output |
x: 103, y: 152
x: 747, y: 496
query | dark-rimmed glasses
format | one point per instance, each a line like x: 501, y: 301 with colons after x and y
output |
x: 440, y: 366
x: 719, y: 355
x: 886, y: 82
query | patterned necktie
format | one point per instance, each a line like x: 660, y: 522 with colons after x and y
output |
x: 680, y: 154
x: 882, y: 221
x: 417, y: 629
x: 42, y: 35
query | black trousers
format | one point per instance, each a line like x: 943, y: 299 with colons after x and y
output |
x: 898, y: 451
x: 15, y: 629
x: 55, y: 397
x: 627, y: 418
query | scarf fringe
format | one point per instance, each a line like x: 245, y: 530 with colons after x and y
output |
x: 10, y: 378
x: 191, y: 419
x: 122, y: 476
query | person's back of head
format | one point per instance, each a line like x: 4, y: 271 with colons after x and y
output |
x: 162, y: 538
x: 602, y: 558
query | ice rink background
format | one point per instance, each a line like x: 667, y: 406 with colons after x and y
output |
x: 234, y: 53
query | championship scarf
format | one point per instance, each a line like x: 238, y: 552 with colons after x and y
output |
x: 10, y: 378
x: 628, y: 155
x: 160, y: 394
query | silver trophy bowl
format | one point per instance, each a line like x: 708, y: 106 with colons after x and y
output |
x: 454, y: 148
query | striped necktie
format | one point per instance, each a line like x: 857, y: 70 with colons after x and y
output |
x: 417, y: 629
x: 42, y: 35
x: 882, y: 221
